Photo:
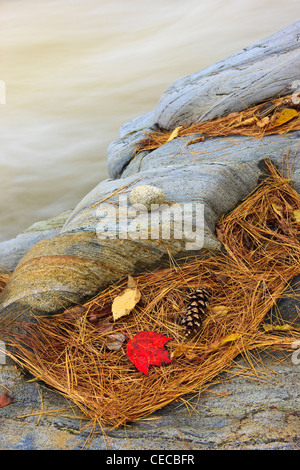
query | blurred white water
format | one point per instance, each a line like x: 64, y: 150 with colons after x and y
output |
x: 76, y: 70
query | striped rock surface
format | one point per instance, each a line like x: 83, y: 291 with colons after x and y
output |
x: 73, y: 261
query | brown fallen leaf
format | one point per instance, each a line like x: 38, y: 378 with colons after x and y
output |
x: 99, y: 312
x: 5, y: 399
x: 74, y: 312
x: 131, y: 282
x: 263, y: 122
x: 195, y: 141
x: 221, y: 310
x: 114, y: 341
x: 127, y: 300
x: 110, y: 339
x: 104, y: 327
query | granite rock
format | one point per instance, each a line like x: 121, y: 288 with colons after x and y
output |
x: 236, y: 412
x: 254, y: 412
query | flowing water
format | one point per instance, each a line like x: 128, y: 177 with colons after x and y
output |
x: 73, y: 71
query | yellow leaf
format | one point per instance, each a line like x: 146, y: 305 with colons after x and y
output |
x: 247, y: 122
x: 178, y: 352
x: 296, y: 214
x: 276, y: 209
x: 231, y: 337
x: 219, y: 310
x: 226, y: 339
x: 284, y: 116
x: 284, y: 327
x: 126, y: 301
x: 268, y: 327
x: 174, y: 134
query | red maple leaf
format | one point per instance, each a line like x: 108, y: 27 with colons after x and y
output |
x: 147, y: 348
x: 5, y: 399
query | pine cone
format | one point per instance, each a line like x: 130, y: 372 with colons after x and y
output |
x: 195, y: 310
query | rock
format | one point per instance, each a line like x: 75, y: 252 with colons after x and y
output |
x: 146, y: 195
x: 11, y: 251
x: 86, y: 255
x: 287, y: 308
x: 236, y: 412
x: 141, y: 122
x: 78, y: 262
x: 257, y: 73
x: 75, y: 260
x: 121, y: 151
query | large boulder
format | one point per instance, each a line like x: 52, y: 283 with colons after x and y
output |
x: 71, y: 261
x: 77, y: 262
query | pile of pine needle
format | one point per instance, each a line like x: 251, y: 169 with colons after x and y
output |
x: 278, y: 116
x: 261, y: 255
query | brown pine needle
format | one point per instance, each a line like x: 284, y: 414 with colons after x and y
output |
x: 261, y: 239
x: 248, y: 122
